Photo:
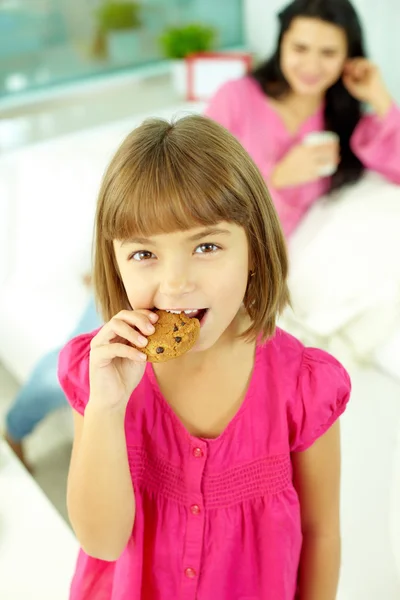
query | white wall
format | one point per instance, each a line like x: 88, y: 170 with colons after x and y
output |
x: 381, y: 23
x: 261, y: 24
x: 79, y: 16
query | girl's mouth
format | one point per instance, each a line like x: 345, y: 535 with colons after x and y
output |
x: 192, y: 313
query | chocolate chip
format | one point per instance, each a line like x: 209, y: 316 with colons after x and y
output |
x: 159, y: 350
x: 178, y: 339
x: 176, y: 328
x: 183, y: 323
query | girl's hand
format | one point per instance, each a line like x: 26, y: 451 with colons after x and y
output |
x: 303, y: 164
x: 363, y: 80
x: 116, y: 367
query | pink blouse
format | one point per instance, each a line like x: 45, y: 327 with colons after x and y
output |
x: 215, y: 518
x: 242, y: 107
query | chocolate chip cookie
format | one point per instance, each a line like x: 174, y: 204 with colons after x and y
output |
x: 175, y: 334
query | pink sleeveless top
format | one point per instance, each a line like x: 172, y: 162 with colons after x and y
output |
x: 215, y: 518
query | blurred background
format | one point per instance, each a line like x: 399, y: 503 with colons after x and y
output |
x: 76, y: 76
x: 59, y: 48
x: 45, y: 43
x: 48, y: 42
x: 58, y: 54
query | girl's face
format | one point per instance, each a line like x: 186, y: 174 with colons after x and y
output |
x: 313, y: 54
x: 202, y: 268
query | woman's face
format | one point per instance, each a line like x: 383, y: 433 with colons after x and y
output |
x: 313, y: 54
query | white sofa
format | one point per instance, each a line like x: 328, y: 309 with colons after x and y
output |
x: 345, y: 275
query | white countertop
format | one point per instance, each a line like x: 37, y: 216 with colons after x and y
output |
x: 38, y: 550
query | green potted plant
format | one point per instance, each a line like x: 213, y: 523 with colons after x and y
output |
x: 179, y: 42
x: 119, y: 22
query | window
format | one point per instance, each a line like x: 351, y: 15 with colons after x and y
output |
x: 48, y: 42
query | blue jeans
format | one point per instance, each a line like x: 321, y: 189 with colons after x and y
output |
x: 42, y: 393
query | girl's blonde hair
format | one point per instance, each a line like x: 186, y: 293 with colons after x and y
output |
x: 175, y: 176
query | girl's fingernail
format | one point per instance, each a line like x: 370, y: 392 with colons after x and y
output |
x: 150, y: 328
x: 142, y: 356
x: 153, y: 317
x: 142, y: 340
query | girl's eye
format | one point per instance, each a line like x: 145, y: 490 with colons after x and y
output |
x: 142, y: 255
x: 206, y: 248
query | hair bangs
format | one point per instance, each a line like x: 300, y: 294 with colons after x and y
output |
x: 172, y: 193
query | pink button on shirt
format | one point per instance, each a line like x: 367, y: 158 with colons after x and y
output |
x: 244, y: 110
x: 215, y: 519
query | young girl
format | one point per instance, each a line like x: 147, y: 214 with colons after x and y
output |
x: 216, y: 474
x: 318, y: 78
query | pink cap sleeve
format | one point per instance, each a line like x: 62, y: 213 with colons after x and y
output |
x: 73, y: 371
x: 322, y: 394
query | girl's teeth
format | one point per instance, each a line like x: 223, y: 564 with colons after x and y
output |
x: 187, y: 312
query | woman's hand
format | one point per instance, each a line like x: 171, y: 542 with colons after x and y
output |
x: 116, y: 367
x: 304, y: 163
x: 363, y: 80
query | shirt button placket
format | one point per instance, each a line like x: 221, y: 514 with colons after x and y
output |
x: 195, y: 519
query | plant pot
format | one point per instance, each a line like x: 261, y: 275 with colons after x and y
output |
x: 123, y: 46
x: 179, y: 77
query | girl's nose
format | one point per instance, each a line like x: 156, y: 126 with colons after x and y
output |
x: 175, y: 282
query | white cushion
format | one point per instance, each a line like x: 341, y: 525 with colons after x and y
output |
x: 345, y: 271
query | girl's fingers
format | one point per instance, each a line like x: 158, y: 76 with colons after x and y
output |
x: 106, y: 353
x: 128, y: 333
x: 117, y: 330
x: 144, y: 321
x: 126, y: 325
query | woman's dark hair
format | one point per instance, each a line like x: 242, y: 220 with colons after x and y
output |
x: 342, y: 111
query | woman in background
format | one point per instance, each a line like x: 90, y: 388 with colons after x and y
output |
x: 317, y: 79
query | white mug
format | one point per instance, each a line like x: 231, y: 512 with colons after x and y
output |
x: 315, y: 138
